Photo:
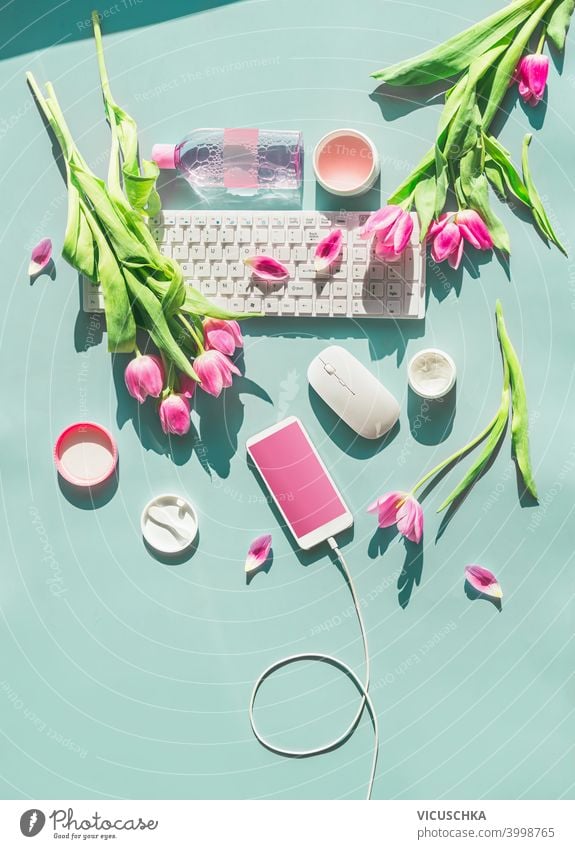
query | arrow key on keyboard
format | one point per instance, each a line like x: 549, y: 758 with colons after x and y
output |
x: 339, y: 306
x: 304, y: 306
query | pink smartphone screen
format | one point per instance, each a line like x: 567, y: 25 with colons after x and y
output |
x: 295, y: 476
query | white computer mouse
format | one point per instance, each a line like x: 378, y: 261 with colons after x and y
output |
x: 353, y: 392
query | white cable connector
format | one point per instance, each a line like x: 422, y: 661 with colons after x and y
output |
x: 362, y: 686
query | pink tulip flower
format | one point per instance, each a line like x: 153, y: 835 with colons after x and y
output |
x: 531, y: 75
x: 401, y: 509
x: 144, y: 376
x: 450, y: 232
x: 215, y: 371
x: 392, y: 227
x: 223, y: 336
x: 175, y: 414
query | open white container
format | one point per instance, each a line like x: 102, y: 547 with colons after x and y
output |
x: 431, y: 373
x: 346, y: 162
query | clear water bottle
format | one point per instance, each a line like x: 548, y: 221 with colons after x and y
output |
x: 235, y: 161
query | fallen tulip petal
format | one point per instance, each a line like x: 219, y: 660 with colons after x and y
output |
x: 267, y: 267
x: 40, y: 257
x: 258, y: 552
x: 328, y: 250
x: 483, y: 581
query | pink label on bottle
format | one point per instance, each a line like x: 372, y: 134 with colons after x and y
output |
x: 240, y: 158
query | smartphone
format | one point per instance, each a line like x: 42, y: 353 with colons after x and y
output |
x: 298, y: 482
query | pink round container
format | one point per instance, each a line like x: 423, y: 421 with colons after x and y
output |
x: 346, y: 162
x: 85, y: 454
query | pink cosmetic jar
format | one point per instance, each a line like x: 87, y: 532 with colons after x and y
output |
x: 346, y: 162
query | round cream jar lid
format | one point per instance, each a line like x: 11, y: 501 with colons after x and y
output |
x: 431, y: 373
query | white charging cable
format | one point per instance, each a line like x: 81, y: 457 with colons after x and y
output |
x: 362, y: 686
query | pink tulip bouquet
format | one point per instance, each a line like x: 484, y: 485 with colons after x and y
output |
x: 485, y: 60
x: 402, y: 508
x: 108, y: 241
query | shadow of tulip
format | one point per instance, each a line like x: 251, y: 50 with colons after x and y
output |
x: 49, y: 270
x: 264, y: 567
x: 396, y: 102
x: 380, y: 541
x: 431, y: 421
x: 410, y: 575
x: 473, y: 595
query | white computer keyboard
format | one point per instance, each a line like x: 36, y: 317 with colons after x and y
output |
x: 210, y: 247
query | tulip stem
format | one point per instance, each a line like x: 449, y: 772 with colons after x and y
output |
x: 193, y: 333
x: 541, y: 40
x: 456, y: 455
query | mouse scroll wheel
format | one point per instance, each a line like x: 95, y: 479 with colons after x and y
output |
x: 329, y: 368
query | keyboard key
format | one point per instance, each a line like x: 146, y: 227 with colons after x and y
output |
x: 306, y: 271
x: 214, y: 253
x: 197, y: 252
x: 394, y: 290
x: 208, y: 287
x: 245, y: 220
x: 299, y: 288
x: 293, y: 220
x: 394, y: 272
x: 312, y: 237
x: 392, y: 308
x: 220, y: 269
x: 277, y: 236
x: 243, y: 287
x: 277, y: 220
x: 228, y: 235
x: 294, y: 236
x: 159, y: 234
x: 237, y: 304
x: 244, y: 235
x: 299, y: 254
x: 340, y: 272
x: 210, y: 235
x: 288, y: 306
x: 261, y: 235
x: 168, y: 219
x: 166, y: 250
x: 261, y: 221
x: 375, y: 289
x: 232, y: 252
x: 193, y: 235
x: 412, y: 263
x: 180, y: 251
x: 304, y: 306
x: 230, y: 220
x: 183, y: 219
x: 199, y: 220
x: 359, y: 254
x: 283, y: 253
x: 309, y: 219
x: 366, y: 307
x: 187, y: 269
x: 175, y: 234
x: 340, y: 289
x: 358, y: 290
x: 253, y: 304
x: 339, y: 306
x: 322, y: 306
x: 203, y: 269
x: 237, y: 269
x: 358, y: 272
x: 214, y: 220
x: 376, y: 271
x: 271, y: 305
x: 225, y: 287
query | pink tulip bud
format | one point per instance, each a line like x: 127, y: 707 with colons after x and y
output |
x: 223, y: 336
x: 144, y: 376
x: 215, y: 371
x: 392, y: 227
x: 175, y: 414
x: 451, y: 230
x: 531, y: 75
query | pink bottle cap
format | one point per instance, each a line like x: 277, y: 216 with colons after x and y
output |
x: 164, y: 155
x: 85, y: 454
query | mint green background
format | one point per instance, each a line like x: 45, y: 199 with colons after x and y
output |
x: 134, y: 680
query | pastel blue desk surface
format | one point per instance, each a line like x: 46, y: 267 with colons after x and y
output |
x: 124, y: 676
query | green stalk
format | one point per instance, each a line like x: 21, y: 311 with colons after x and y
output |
x: 519, y: 419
